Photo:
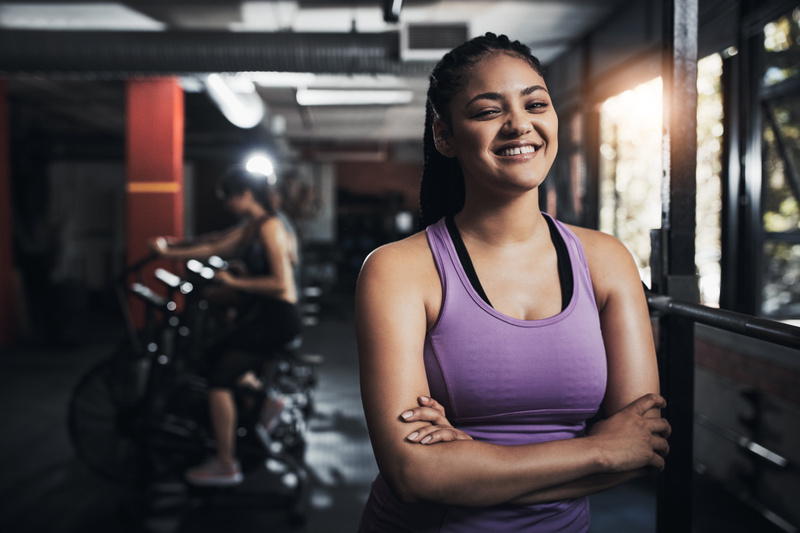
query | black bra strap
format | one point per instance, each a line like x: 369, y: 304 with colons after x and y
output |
x: 463, y: 256
x: 564, y: 263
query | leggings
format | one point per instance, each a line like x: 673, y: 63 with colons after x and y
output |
x: 269, y: 325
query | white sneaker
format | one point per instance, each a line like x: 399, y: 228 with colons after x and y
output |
x: 212, y: 473
x: 271, y: 412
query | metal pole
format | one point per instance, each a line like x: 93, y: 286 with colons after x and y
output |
x: 676, y: 334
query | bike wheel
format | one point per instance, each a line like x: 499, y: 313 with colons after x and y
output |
x: 102, y: 418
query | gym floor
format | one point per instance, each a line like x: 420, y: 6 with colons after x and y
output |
x: 45, y: 488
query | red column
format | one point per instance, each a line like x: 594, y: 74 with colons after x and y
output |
x: 8, y: 297
x: 154, y: 165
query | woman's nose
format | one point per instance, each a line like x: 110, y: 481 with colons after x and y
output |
x: 517, y: 123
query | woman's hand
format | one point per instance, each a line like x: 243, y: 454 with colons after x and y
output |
x: 159, y: 245
x: 224, y: 277
x: 440, y: 431
x: 629, y: 440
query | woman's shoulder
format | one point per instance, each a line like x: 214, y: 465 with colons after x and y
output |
x: 599, y: 245
x: 409, y: 252
x: 270, y: 224
x: 408, y: 261
x: 611, y: 265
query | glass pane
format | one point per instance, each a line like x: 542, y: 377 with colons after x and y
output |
x: 782, y: 48
x: 709, y: 185
x: 781, y: 163
x: 630, y: 172
x: 630, y: 169
x: 781, y: 293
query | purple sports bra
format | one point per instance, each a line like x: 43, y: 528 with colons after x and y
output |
x: 506, y: 381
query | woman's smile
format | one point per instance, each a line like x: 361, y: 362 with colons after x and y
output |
x: 518, y: 149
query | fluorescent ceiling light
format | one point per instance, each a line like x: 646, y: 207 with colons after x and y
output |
x: 322, y: 97
x: 283, y: 79
x: 309, y: 80
x: 75, y: 16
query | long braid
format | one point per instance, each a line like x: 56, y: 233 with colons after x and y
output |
x: 442, y: 187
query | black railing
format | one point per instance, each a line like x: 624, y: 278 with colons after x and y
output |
x: 750, y: 326
x: 675, y: 485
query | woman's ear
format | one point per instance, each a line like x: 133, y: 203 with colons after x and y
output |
x: 441, y: 138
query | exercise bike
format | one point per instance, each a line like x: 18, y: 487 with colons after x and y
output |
x: 140, y: 416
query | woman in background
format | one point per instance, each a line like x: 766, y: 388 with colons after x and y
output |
x: 266, y: 312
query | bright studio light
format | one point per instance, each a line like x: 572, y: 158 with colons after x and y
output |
x: 261, y: 165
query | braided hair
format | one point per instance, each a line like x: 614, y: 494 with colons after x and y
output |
x: 442, y: 188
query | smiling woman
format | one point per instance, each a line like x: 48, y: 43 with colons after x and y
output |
x: 487, y: 340
x: 501, y: 127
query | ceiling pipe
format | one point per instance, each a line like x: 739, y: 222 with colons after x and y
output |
x: 124, y: 54
x: 242, y: 107
x: 391, y: 10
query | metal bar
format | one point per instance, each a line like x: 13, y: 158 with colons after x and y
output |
x: 741, y: 441
x: 784, y: 236
x: 676, y: 334
x: 750, y: 326
x: 751, y: 259
x: 732, y: 187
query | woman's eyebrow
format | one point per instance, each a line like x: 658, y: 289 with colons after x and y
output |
x: 532, y: 89
x: 485, y: 96
x: 497, y: 96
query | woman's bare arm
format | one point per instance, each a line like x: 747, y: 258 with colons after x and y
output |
x: 391, y: 324
x: 217, y: 243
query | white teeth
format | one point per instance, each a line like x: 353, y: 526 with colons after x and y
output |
x: 527, y: 149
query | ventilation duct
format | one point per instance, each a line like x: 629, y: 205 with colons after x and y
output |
x: 237, y: 99
x: 429, y: 42
x: 159, y: 53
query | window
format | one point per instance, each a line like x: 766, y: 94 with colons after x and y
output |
x: 780, y: 211
x: 631, y: 168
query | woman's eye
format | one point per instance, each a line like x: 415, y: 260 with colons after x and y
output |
x: 537, y: 105
x: 485, y: 113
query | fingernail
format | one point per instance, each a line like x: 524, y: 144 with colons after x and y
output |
x: 413, y: 435
x: 407, y: 415
x: 424, y: 398
x: 426, y: 440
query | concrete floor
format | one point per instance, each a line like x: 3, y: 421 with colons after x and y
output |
x: 44, y: 487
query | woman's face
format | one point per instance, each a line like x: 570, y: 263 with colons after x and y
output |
x: 504, y: 128
x: 237, y: 203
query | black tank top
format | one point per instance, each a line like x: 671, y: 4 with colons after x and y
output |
x: 253, y: 254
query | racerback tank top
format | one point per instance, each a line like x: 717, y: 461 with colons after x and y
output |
x: 506, y: 381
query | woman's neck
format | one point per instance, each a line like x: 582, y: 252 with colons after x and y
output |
x: 505, y: 221
x: 256, y: 211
